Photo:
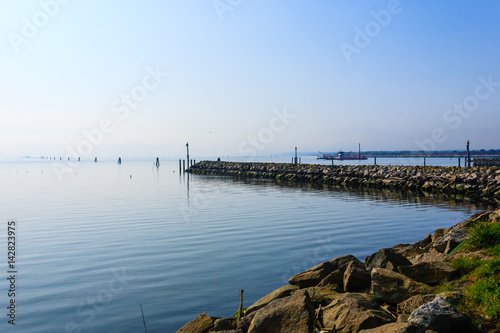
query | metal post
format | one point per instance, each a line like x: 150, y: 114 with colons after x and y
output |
x: 359, y: 151
x: 296, y: 160
x: 459, y: 162
x: 375, y: 160
x: 187, y: 149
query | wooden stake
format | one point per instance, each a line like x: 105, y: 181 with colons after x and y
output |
x: 241, y: 305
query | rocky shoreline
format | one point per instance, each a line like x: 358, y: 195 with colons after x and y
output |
x: 391, y: 291
x: 476, y: 183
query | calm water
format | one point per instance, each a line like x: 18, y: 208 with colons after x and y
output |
x: 93, y: 247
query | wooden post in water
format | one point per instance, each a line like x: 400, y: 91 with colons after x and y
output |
x: 119, y: 160
x: 468, y: 155
x: 187, y: 151
x: 157, y: 162
x: 241, y: 305
x: 180, y: 166
x: 183, y: 165
x: 95, y: 160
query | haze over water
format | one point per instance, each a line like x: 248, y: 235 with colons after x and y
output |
x: 110, y: 237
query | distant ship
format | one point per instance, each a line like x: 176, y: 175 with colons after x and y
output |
x: 341, y: 156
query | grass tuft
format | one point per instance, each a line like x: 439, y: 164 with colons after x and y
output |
x: 483, y: 235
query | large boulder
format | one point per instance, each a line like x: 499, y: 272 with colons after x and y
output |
x: 411, y: 304
x: 386, y: 258
x: 201, y: 324
x: 441, y: 317
x: 334, y: 280
x: 292, y: 314
x: 427, y: 257
x: 224, y: 324
x: 353, y: 312
x: 278, y: 293
x: 314, y: 275
x: 395, y: 328
x: 449, y: 241
x: 393, y: 288
x: 356, y: 277
x: 321, y: 295
x: 431, y: 273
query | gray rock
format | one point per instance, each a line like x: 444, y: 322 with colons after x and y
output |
x: 393, y: 288
x: 321, y: 295
x: 427, y: 257
x: 334, y: 280
x: 201, y: 324
x: 224, y: 324
x: 431, y: 273
x: 395, y: 328
x: 314, y: 275
x: 356, y: 277
x: 278, y: 293
x: 440, y: 316
x: 292, y: 314
x: 386, y: 258
x: 450, y: 240
x: 353, y: 312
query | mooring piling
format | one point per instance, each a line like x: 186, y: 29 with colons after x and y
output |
x: 157, y: 163
x: 119, y: 160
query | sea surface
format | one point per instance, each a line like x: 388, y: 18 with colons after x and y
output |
x: 94, y: 241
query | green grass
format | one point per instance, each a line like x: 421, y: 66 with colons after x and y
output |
x: 493, y: 251
x: 482, y: 296
x: 483, y: 235
x: 465, y: 264
x: 444, y: 287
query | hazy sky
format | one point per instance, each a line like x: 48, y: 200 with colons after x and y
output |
x: 141, y: 78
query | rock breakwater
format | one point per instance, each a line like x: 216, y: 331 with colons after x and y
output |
x: 393, y: 290
x: 477, y: 183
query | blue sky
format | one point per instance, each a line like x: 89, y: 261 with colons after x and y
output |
x: 239, y: 77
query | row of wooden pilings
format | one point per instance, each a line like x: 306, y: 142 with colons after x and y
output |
x: 182, y: 165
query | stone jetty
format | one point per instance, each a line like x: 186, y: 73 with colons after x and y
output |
x: 476, y: 183
x: 392, y: 290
